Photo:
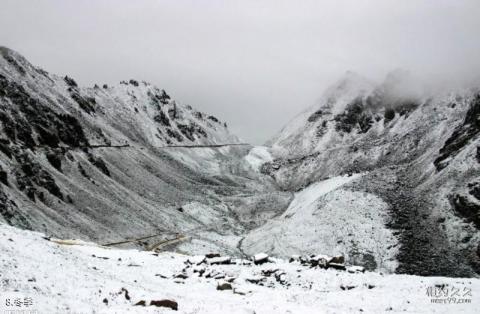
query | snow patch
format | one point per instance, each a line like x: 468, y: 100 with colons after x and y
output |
x: 257, y: 156
x: 326, y: 218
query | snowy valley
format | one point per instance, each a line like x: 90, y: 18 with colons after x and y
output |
x: 383, y: 177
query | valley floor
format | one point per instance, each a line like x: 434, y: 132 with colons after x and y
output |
x: 85, y: 278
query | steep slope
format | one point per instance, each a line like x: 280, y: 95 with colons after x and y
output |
x: 301, y: 135
x: 418, y: 157
x: 384, y: 174
x: 102, y: 164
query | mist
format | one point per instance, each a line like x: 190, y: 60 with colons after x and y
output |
x: 254, y: 64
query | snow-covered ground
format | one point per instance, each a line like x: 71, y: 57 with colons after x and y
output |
x: 90, y: 279
x: 325, y: 217
x: 257, y: 156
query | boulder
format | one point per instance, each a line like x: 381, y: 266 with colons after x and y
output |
x: 260, y: 258
x: 212, y: 255
x: 223, y: 260
x: 294, y: 258
x: 244, y: 262
x: 254, y: 279
x: 337, y: 266
x: 181, y: 276
x: 281, y: 277
x: 230, y: 279
x: 211, y: 273
x: 337, y: 259
x: 320, y: 260
x: 319, y: 257
x: 141, y: 303
x: 199, y: 269
x: 269, y: 272
x: 223, y: 285
x: 219, y: 276
x: 165, y: 303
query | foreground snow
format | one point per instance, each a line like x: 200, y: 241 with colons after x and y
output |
x: 85, y: 278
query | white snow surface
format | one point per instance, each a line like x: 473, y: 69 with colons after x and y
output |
x: 257, y: 156
x: 325, y: 217
x: 89, y: 279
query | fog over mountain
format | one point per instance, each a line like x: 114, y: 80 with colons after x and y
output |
x: 252, y: 63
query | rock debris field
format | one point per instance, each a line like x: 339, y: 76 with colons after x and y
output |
x: 131, y: 281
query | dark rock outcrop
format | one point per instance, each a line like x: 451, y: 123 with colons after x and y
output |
x: 461, y: 136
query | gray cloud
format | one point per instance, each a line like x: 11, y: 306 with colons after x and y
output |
x: 254, y: 64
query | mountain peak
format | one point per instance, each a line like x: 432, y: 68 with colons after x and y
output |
x: 350, y: 86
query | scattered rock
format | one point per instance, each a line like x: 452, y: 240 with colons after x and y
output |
x: 165, y: 303
x: 281, y: 277
x: 133, y: 265
x: 320, y: 260
x: 181, y: 276
x: 141, y: 303
x: 230, y: 279
x: 214, y: 274
x: 223, y: 285
x: 294, y: 258
x: 219, y: 276
x: 356, y: 269
x: 220, y: 260
x: 127, y: 295
x: 337, y: 266
x: 346, y: 287
x: 244, y: 262
x: 212, y: 255
x: 199, y: 269
x: 337, y: 260
x: 255, y: 279
x: 269, y: 272
x: 260, y: 258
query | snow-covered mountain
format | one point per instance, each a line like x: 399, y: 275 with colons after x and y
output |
x: 102, y: 164
x: 385, y: 175
x: 413, y: 163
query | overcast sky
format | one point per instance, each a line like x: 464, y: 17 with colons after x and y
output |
x: 254, y: 64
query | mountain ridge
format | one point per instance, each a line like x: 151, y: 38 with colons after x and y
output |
x: 388, y: 181
x: 418, y: 153
x: 88, y: 162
